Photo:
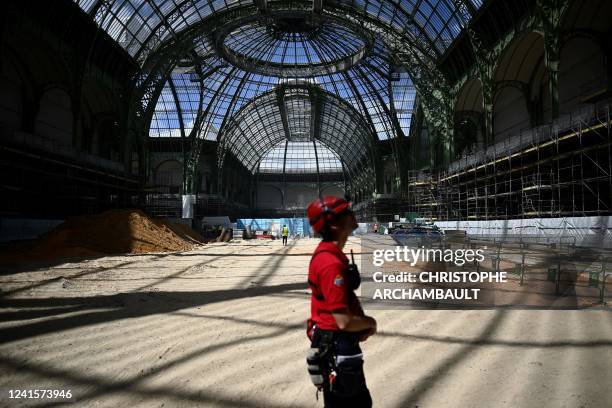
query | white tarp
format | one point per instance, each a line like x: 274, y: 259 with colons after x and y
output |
x: 586, y: 231
x: 188, y: 203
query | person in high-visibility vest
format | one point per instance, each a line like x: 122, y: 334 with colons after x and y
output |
x: 285, y: 234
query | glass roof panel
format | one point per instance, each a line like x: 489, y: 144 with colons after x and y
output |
x: 266, y: 123
x: 338, y: 56
x: 404, y: 95
x: 273, y: 161
x: 165, y: 122
x: 300, y: 158
x: 293, y: 45
x: 139, y: 25
x: 298, y: 109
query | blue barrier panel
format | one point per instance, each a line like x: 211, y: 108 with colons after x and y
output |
x: 297, y: 226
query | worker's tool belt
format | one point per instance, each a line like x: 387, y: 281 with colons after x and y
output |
x: 335, y: 363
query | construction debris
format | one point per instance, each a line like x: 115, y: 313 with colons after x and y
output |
x: 226, y: 235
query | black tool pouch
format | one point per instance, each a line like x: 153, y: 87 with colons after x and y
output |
x: 315, y: 362
x: 350, y: 379
x: 320, y: 356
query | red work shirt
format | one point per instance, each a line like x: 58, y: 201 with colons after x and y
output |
x: 328, y: 283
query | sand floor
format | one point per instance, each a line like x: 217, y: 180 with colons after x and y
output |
x: 223, y: 326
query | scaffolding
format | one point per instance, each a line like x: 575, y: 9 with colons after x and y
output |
x: 381, y: 208
x: 423, y: 198
x: 563, y: 169
x: 167, y: 205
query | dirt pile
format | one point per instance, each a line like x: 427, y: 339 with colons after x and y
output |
x: 187, y: 233
x: 112, y: 232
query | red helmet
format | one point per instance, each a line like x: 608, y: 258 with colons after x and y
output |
x: 320, y: 212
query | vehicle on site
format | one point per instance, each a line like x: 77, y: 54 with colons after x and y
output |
x: 417, y: 234
x: 412, y: 228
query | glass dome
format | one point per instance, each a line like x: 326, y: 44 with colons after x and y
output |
x: 298, y: 121
x: 371, y: 88
x: 217, y: 59
x: 142, y: 26
x: 294, y: 45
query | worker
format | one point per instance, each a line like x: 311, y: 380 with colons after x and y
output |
x: 285, y: 234
x: 337, y: 323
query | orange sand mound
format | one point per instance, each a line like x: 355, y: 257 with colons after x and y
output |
x: 112, y: 232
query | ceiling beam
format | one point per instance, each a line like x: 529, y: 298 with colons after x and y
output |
x: 280, y: 99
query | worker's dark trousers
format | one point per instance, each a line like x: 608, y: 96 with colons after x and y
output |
x: 361, y: 400
x: 284, y: 240
x: 344, y: 344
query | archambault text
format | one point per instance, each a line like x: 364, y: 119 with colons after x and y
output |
x: 426, y: 294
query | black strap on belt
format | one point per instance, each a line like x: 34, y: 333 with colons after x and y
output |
x: 325, y: 341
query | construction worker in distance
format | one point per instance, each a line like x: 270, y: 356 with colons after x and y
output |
x: 337, y: 324
x: 285, y: 234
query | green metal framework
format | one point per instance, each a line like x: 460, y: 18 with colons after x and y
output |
x: 299, y: 114
x: 363, y: 52
x: 546, y: 20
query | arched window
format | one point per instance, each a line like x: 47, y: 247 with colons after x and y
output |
x: 54, y: 119
x: 169, y: 174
